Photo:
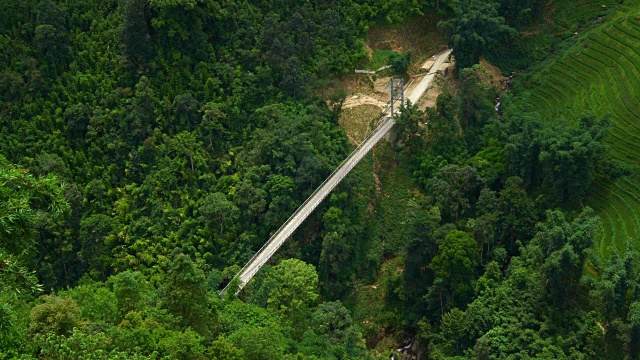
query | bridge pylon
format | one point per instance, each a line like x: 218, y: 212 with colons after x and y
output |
x: 397, y: 92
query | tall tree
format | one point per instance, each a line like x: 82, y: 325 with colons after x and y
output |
x: 54, y: 315
x: 185, y: 294
x: 332, y: 319
x: 517, y: 215
x: 410, y: 128
x: 634, y: 322
x: 221, y: 348
x: 131, y: 291
x: 571, y: 156
x: 483, y: 227
x: 443, y: 122
x: 296, y: 288
x: 27, y: 205
x: 564, y: 245
x: 453, y: 188
x: 94, y: 251
x: 454, y: 267
x: 475, y: 29
x: 216, y: 207
x: 134, y: 32
x: 475, y: 96
x: 51, y: 36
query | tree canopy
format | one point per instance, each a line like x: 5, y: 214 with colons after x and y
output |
x: 148, y: 149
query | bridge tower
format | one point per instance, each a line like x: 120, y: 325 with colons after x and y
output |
x: 397, y: 92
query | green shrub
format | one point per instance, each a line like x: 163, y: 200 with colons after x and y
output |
x: 400, y: 63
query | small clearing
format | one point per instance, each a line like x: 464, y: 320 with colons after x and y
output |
x: 357, y: 121
x: 429, y: 98
x: 421, y: 35
x: 361, y: 99
x: 381, y: 87
x: 492, y: 75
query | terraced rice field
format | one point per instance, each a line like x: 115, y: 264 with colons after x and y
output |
x: 602, y: 76
x: 569, y: 15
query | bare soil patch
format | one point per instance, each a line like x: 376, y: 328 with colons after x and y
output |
x: 492, y: 75
x: 381, y: 85
x: 430, y: 97
x: 357, y: 121
x: 362, y: 99
x: 420, y: 35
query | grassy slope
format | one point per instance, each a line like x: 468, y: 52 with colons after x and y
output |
x: 420, y: 35
x: 600, y: 74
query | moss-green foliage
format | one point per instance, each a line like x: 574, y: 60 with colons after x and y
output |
x: 55, y: 315
x: 151, y: 144
x: 400, y: 62
x: 169, y: 129
x: 572, y: 18
x: 466, y: 169
x: 601, y: 75
x: 558, y: 21
x: 86, y: 322
x: 489, y: 28
x: 380, y: 58
x: 522, y: 312
x: 475, y: 29
x: 28, y: 204
x: 186, y: 131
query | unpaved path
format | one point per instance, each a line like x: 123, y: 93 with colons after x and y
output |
x: 361, y: 99
x: 380, y: 94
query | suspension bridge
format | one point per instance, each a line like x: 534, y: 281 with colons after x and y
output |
x: 384, y: 125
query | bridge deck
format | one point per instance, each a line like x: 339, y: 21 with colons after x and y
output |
x: 280, y: 236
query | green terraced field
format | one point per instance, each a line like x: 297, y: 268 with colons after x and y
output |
x: 569, y: 15
x: 601, y: 75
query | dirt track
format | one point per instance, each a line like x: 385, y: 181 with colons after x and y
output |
x: 361, y: 99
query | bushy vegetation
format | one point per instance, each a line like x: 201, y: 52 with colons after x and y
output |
x: 481, y: 28
x: 600, y: 75
x: 502, y: 226
x: 149, y: 148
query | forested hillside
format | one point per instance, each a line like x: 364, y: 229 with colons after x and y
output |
x: 601, y: 75
x: 149, y: 147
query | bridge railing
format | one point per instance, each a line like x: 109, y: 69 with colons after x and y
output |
x: 360, y: 146
x: 367, y: 148
x: 299, y: 209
